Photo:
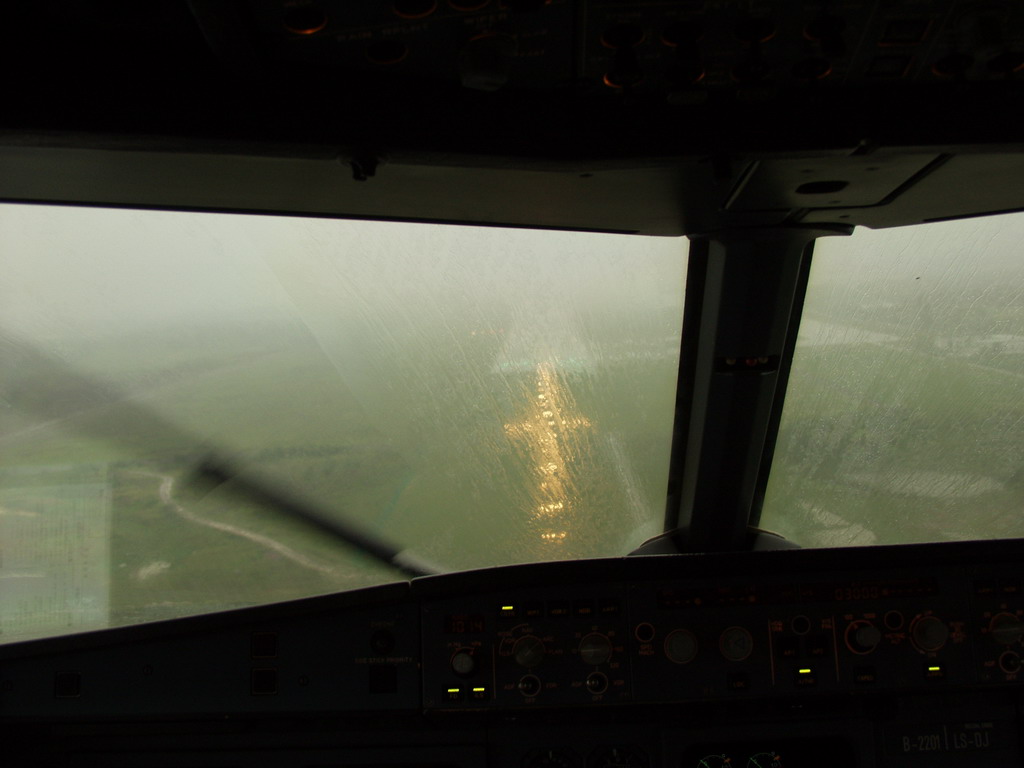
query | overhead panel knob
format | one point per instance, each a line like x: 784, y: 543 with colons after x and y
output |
x: 827, y: 31
x: 305, y: 19
x: 687, y: 67
x: 625, y: 66
x: 755, y: 30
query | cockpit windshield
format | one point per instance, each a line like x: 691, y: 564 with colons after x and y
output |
x: 904, y: 415
x: 478, y: 396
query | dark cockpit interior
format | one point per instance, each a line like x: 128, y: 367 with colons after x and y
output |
x: 744, y: 611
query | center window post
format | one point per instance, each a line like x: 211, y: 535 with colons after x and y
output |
x: 751, y: 281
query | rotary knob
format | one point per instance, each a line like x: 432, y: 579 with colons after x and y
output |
x: 463, y: 664
x: 529, y: 686
x: 862, y: 637
x: 1009, y: 662
x: 528, y: 651
x: 1006, y: 628
x: 736, y: 643
x: 595, y: 649
x: 680, y: 646
x: 827, y: 31
x: 597, y: 682
x: 929, y: 633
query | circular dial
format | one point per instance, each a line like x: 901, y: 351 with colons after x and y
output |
x: 595, y: 649
x: 929, y: 633
x: 528, y: 651
x: 644, y: 632
x: 529, y: 685
x: 736, y: 643
x: 680, y: 646
x: 463, y: 663
x: 714, y: 761
x: 1006, y: 628
x: 862, y: 636
x: 1009, y: 662
x: 597, y: 682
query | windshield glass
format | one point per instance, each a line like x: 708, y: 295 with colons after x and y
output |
x: 904, y: 416
x: 478, y: 396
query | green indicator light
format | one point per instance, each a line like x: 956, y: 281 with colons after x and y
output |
x: 934, y: 669
x: 479, y: 690
x: 508, y: 607
x: 453, y: 690
x: 804, y: 671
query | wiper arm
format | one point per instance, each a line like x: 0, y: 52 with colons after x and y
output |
x: 83, y: 399
x: 213, y: 472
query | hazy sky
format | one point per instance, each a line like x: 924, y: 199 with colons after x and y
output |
x: 80, y: 272
x: 77, y: 272
x: 969, y: 253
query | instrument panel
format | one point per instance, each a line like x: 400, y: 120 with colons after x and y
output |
x: 887, y: 656
x: 666, y: 641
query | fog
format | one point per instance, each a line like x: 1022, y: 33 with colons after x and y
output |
x: 481, y: 396
x: 904, y: 416
x: 73, y: 272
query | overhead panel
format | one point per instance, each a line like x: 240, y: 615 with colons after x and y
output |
x: 683, y: 51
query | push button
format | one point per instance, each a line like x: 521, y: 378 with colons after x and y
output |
x: 558, y: 608
x: 382, y: 642
x: 864, y: 675
x: 806, y: 677
x: 788, y: 647
x: 738, y: 681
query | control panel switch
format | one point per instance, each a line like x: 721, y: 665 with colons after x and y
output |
x: 463, y: 663
x: 862, y: 637
x: 1006, y: 628
x: 929, y: 633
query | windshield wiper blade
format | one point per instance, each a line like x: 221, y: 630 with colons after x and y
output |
x: 213, y: 472
x: 83, y: 401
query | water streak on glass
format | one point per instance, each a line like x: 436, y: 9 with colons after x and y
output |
x: 479, y: 396
x: 904, y: 417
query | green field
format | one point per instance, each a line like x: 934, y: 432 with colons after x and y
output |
x: 898, y: 442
